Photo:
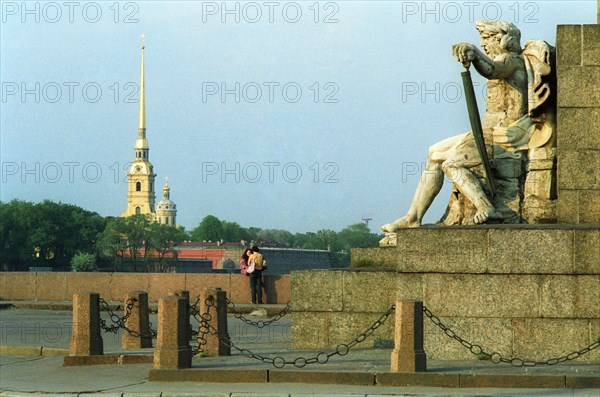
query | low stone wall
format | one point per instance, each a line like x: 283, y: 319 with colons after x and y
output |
x: 333, y: 306
x: 57, y: 286
x: 501, y: 249
x: 529, y: 292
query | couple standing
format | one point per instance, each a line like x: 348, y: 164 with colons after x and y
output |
x: 252, y: 264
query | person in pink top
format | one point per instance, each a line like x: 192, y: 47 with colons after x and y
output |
x: 244, y: 261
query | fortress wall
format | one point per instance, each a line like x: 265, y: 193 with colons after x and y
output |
x: 60, y: 286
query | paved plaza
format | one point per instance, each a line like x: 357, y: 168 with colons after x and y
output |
x: 34, y: 342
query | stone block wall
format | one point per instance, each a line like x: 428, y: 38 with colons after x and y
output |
x: 335, y: 306
x: 578, y: 130
x: 531, y: 292
x: 501, y: 249
x: 58, y: 286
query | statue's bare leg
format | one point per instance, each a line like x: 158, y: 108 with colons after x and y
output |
x: 469, y: 185
x: 429, y: 186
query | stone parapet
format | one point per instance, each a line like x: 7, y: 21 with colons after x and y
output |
x: 60, y: 286
x: 490, y: 249
x: 530, y: 292
x: 529, y: 316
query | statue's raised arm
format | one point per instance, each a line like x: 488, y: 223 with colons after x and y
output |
x: 501, y: 40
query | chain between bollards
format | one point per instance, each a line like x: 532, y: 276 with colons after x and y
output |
x: 259, y: 323
x: 300, y: 362
x: 119, y: 322
x: 497, y: 357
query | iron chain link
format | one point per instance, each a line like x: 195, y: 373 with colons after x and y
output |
x: 204, y: 322
x: 496, y: 357
x: 259, y: 323
x: 119, y: 322
x: 300, y: 362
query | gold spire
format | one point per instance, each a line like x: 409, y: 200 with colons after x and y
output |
x: 142, y: 123
x: 166, y: 189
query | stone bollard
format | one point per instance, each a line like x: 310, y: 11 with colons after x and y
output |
x: 408, y: 354
x: 224, y: 340
x: 213, y: 301
x: 184, y: 294
x: 173, y: 348
x: 86, y: 339
x: 138, y: 322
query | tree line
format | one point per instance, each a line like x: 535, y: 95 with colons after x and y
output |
x: 356, y: 235
x: 65, y: 236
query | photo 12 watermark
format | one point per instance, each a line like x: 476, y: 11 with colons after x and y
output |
x: 270, y: 172
x: 272, y: 333
x: 413, y: 170
x: 211, y: 171
x: 469, y: 11
x: 50, y: 332
x: 438, y: 92
x: 251, y: 12
x: 64, y: 172
x: 69, y: 92
x: 269, y: 92
x: 53, y: 12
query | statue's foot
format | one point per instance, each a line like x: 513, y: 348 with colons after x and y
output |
x: 403, y: 222
x: 387, y: 228
x: 483, y: 215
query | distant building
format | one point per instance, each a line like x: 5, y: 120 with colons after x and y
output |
x: 166, y: 210
x: 225, y: 258
x: 141, y: 176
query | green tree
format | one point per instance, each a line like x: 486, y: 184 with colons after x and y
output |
x: 275, y: 237
x: 84, y: 262
x: 15, y: 224
x: 232, y: 231
x: 210, y: 229
x: 138, y: 229
x: 301, y: 239
x: 357, y: 235
x: 163, y: 240
x: 45, y: 234
x: 252, y: 233
x: 126, y: 239
x: 139, y: 241
x: 322, y: 240
x: 112, y: 245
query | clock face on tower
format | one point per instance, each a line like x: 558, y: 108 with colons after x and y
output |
x: 138, y: 169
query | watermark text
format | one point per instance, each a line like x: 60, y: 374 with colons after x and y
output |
x: 69, y: 11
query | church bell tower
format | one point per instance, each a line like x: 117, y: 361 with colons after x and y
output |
x: 140, y: 195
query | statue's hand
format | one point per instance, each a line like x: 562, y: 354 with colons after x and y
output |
x: 464, y: 53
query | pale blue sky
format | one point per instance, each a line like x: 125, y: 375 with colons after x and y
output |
x: 372, y: 63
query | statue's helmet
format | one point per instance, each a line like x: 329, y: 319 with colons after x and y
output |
x: 508, y: 35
